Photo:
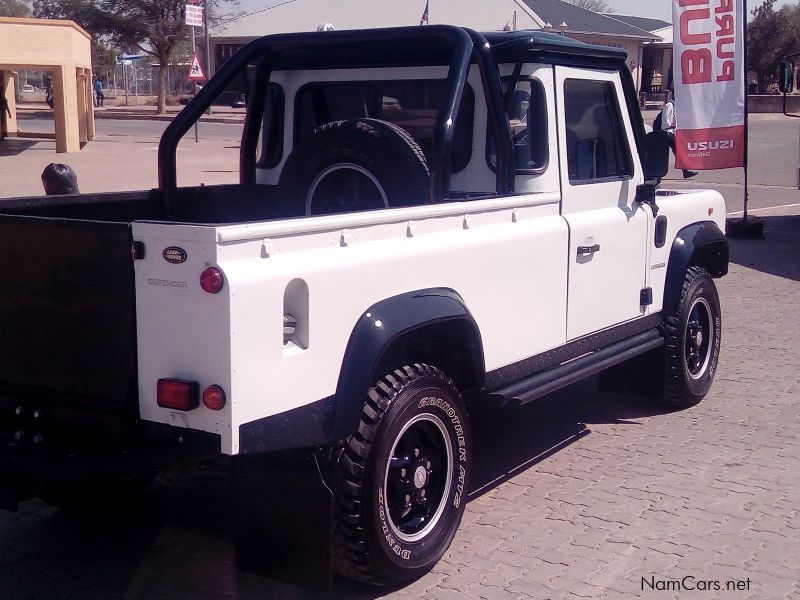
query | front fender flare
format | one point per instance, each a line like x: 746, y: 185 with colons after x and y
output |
x: 701, y: 244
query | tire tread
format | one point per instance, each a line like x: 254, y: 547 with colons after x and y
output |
x: 351, y: 555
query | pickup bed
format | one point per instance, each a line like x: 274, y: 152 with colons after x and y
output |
x: 429, y: 221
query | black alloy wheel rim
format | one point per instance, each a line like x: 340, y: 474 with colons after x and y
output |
x: 418, y: 475
x: 697, y: 341
x: 345, y: 188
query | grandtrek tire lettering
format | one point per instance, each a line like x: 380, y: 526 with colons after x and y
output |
x: 451, y: 413
x: 398, y: 482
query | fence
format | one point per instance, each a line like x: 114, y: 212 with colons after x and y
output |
x: 129, y: 81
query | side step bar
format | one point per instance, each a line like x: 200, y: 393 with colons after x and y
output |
x: 548, y: 381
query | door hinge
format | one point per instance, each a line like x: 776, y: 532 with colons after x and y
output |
x: 646, y: 297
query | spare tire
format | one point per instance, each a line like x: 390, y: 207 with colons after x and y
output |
x: 358, y: 164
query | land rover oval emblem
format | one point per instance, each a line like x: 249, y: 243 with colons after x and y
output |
x: 174, y: 255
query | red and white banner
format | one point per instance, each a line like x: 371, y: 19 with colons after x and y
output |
x: 708, y: 71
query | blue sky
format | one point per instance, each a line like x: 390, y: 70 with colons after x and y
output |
x: 657, y: 9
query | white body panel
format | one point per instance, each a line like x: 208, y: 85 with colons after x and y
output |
x: 496, y: 256
x: 603, y: 287
x: 513, y: 261
x: 681, y: 208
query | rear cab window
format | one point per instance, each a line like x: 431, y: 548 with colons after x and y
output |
x: 410, y: 104
x: 527, y: 117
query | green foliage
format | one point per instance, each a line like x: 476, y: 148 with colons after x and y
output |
x: 82, y: 12
x: 771, y: 36
x: 14, y: 8
x: 762, y: 51
x: 155, y: 27
x: 598, y: 6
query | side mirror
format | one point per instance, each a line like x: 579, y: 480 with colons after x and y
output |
x: 786, y: 77
x: 656, y: 155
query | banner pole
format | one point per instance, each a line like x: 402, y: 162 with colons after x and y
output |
x: 746, y: 113
x: 745, y: 227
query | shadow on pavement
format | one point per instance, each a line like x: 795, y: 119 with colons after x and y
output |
x: 12, y: 147
x: 776, y: 254
x: 512, y: 441
x: 177, y: 542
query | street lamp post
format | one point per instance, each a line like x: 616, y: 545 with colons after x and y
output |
x: 563, y: 27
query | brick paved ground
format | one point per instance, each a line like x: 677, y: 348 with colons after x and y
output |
x: 581, y: 496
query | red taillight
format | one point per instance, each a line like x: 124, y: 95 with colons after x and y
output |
x: 177, y: 394
x: 214, y: 397
x: 211, y: 280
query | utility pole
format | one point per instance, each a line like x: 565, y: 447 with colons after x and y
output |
x: 208, y: 46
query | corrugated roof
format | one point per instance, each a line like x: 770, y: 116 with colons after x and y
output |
x: 651, y: 25
x: 580, y: 20
x: 665, y: 34
x: 307, y: 15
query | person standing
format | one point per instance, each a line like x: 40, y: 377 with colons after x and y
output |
x: 667, y: 121
x: 98, y: 91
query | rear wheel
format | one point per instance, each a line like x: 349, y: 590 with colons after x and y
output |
x: 400, y: 480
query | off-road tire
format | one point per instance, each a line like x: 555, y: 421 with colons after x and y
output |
x: 687, y: 381
x: 381, y: 151
x: 371, y: 545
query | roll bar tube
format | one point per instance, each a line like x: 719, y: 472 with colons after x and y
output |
x: 498, y: 114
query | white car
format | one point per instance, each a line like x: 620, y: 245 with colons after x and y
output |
x: 429, y: 220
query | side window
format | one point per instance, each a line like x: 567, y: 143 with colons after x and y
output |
x: 412, y: 105
x: 528, y: 122
x: 270, y: 141
x: 597, y: 147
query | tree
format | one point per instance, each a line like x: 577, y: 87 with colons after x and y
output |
x: 14, y: 8
x: 764, y: 47
x: 598, y: 6
x: 87, y: 16
x: 155, y: 27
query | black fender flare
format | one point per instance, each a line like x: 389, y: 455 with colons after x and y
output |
x: 373, y: 335
x: 702, y: 244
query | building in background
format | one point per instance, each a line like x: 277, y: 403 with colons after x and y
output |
x: 63, y: 50
x: 551, y: 15
x: 656, y: 56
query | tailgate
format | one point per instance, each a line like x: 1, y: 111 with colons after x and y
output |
x: 67, y: 313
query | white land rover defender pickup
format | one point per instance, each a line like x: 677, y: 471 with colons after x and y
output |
x: 428, y: 220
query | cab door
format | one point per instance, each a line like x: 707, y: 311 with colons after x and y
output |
x: 600, y: 171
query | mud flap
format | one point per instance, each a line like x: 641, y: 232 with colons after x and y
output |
x: 284, y: 513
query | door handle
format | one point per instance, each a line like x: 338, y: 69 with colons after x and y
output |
x: 588, y: 250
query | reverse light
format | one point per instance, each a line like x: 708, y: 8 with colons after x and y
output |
x: 214, y: 397
x: 211, y: 280
x: 177, y: 394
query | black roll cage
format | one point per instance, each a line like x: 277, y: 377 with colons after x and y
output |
x: 457, y: 47
x: 269, y: 51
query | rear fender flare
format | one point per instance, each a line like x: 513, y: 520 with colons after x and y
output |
x: 381, y: 325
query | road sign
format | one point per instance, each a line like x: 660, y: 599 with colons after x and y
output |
x: 195, y: 70
x: 194, y: 15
